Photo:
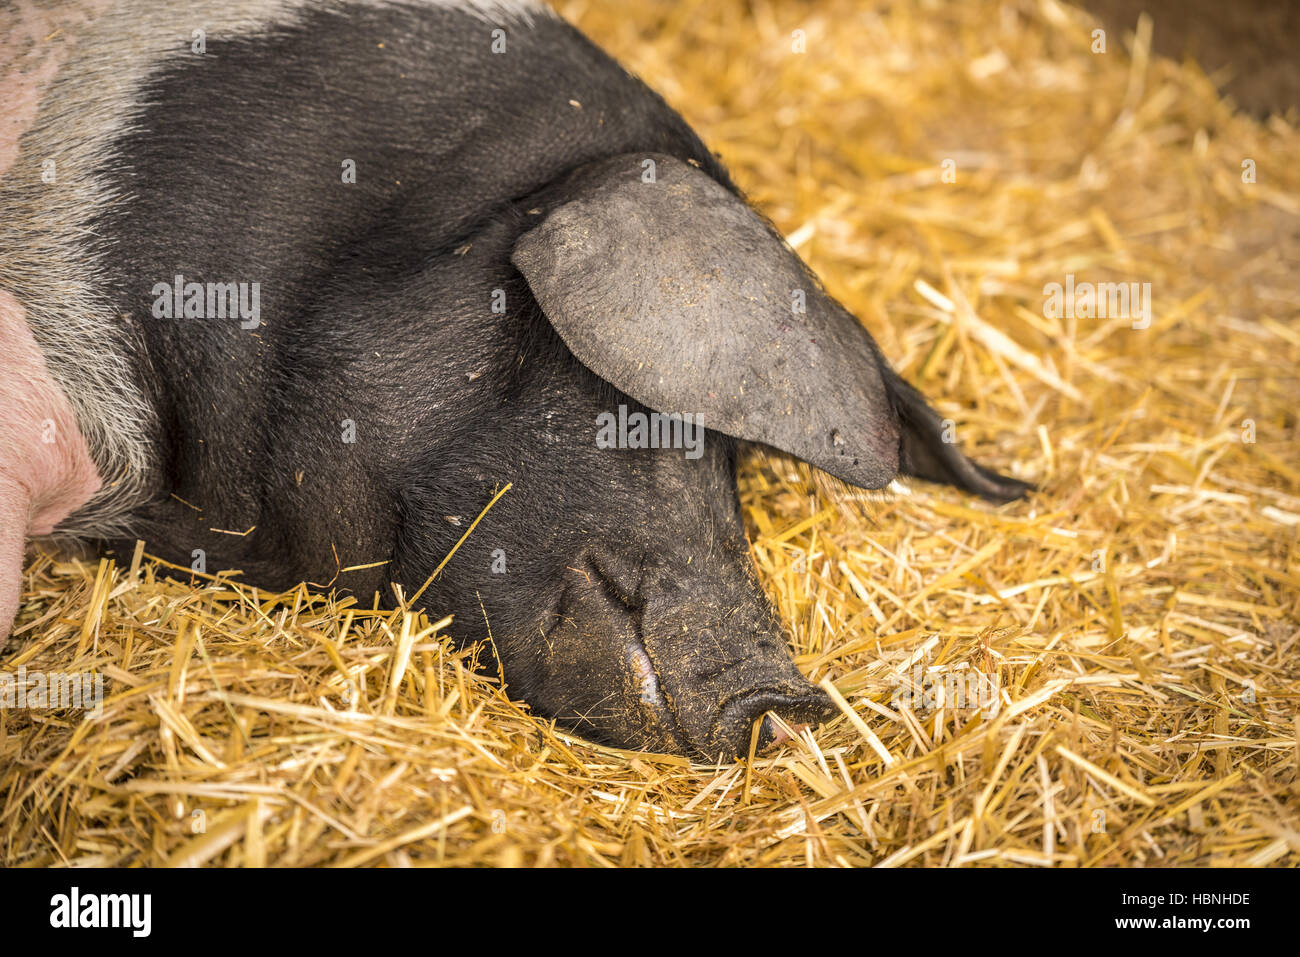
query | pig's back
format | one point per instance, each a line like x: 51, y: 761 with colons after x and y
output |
x: 236, y: 161
x: 227, y: 167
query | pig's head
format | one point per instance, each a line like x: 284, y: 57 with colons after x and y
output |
x: 616, y: 582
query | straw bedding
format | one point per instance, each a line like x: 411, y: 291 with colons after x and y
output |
x: 1136, y: 619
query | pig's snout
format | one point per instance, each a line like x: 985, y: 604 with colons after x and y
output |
x: 637, y: 659
x: 736, y: 721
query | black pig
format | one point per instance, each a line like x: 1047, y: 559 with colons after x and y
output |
x: 329, y: 276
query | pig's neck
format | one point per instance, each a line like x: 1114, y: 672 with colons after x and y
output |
x: 46, y: 472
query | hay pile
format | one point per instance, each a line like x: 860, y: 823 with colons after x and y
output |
x: 1138, y: 617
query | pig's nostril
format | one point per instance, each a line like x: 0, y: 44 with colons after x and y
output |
x: 771, y: 733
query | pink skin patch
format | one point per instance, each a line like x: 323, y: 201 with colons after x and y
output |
x: 46, y: 472
x: 45, y: 468
x: 34, y: 40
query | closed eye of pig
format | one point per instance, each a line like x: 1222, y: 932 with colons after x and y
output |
x: 336, y: 274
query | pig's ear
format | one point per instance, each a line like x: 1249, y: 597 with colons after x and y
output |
x: 667, y: 285
x: 928, y: 451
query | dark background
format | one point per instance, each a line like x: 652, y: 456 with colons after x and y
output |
x: 1255, y: 40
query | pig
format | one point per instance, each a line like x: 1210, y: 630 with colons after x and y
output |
x: 298, y: 288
